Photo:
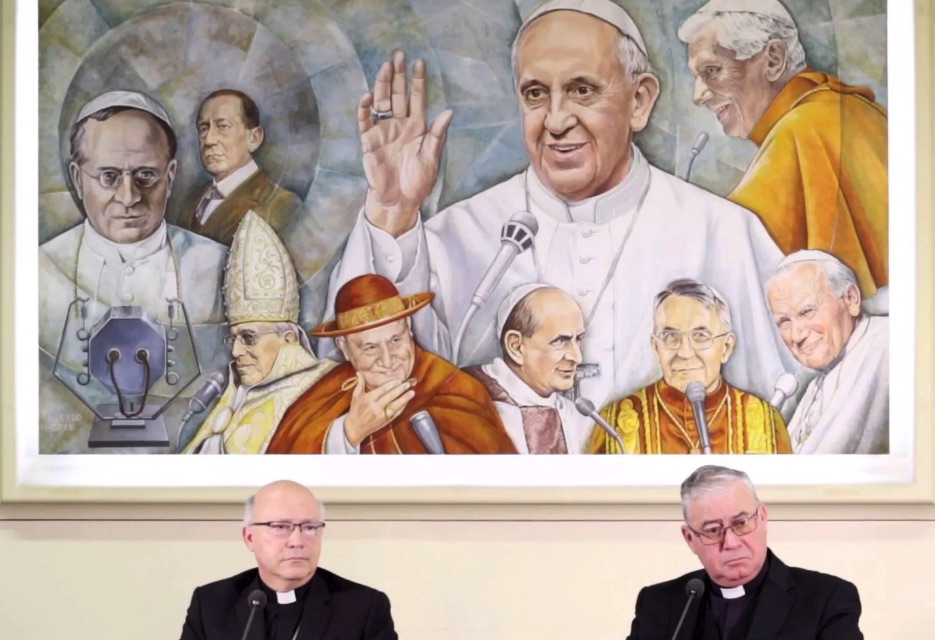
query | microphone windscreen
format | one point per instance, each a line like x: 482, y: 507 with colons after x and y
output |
x: 695, y: 391
x: 584, y: 406
x: 526, y: 219
x: 787, y: 384
x: 700, y: 141
x: 256, y: 598
x: 695, y: 585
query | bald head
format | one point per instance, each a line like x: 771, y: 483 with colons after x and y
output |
x: 283, y: 527
x: 282, y: 495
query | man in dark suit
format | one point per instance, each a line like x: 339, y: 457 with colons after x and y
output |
x: 283, y: 526
x: 229, y: 133
x: 749, y: 593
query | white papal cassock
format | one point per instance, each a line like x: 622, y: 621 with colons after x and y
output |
x: 171, y: 263
x: 846, y: 408
x: 679, y: 231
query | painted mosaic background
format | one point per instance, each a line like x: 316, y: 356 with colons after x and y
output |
x: 307, y: 63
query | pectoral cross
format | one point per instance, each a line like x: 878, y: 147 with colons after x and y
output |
x: 585, y: 370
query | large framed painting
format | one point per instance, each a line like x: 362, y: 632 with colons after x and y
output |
x: 554, y: 252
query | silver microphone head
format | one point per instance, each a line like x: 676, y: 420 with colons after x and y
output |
x: 520, y: 230
x: 700, y: 141
x: 584, y: 406
x: 787, y: 384
x: 695, y: 391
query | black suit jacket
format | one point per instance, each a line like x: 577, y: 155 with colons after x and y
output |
x: 793, y: 604
x: 334, y: 609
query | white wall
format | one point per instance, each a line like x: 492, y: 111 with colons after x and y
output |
x: 446, y: 580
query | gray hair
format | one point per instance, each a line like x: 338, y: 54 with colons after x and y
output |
x: 746, y: 33
x: 251, y: 501
x: 629, y: 54
x: 840, y: 277
x: 709, y: 479
x: 688, y: 288
x: 300, y: 335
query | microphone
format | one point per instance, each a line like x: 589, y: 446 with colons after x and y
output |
x: 516, y: 236
x: 586, y: 408
x: 203, y: 398
x: 696, y: 395
x: 256, y: 600
x: 425, y: 427
x: 693, y: 588
x: 700, y: 143
x: 786, y: 385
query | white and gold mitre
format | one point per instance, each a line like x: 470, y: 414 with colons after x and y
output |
x: 260, y: 283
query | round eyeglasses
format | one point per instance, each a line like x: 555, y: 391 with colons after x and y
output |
x: 698, y: 339
x: 246, y: 338
x: 143, y: 177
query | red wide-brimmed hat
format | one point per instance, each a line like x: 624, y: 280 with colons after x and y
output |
x: 368, y: 302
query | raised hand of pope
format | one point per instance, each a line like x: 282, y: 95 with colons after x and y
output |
x: 400, y: 153
x: 374, y: 409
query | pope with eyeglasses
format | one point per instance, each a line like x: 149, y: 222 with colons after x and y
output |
x: 122, y: 170
x: 744, y: 591
x: 692, y: 339
x: 273, y: 363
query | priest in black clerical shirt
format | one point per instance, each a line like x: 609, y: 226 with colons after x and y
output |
x: 748, y: 591
x: 283, y: 527
x: 283, y: 611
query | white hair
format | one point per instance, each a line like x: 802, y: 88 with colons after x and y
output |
x: 300, y: 335
x: 629, y: 54
x: 747, y: 33
x: 710, y: 479
x: 840, y: 277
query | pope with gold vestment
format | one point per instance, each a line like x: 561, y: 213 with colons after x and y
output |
x: 692, y: 339
x: 273, y: 363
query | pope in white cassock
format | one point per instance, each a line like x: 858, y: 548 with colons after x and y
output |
x: 816, y: 303
x: 273, y: 363
x: 122, y: 168
x: 612, y: 229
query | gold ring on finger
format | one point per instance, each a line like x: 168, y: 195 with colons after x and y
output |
x: 389, y: 412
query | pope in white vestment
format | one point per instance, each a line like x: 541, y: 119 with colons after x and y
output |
x: 679, y: 231
x: 124, y: 255
x: 172, y: 263
x: 846, y: 408
x: 612, y: 229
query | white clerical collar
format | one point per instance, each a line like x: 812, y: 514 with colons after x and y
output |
x: 598, y: 209
x: 112, y: 251
x: 732, y: 593
x: 285, y: 597
x: 516, y: 388
x: 234, y: 180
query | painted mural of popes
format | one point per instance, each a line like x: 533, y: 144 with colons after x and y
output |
x: 476, y: 227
